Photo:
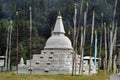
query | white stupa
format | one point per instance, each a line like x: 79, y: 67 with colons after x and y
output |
x: 56, y: 58
x: 58, y: 40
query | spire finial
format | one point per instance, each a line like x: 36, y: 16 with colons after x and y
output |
x: 59, y: 15
x: 16, y: 13
x: 11, y: 22
x: 95, y: 32
x: 30, y: 9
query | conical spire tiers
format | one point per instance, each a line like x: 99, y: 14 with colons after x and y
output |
x: 59, y: 28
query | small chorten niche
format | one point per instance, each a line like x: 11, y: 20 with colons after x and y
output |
x: 51, y: 52
x: 30, y: 69
x: 41, y: 57
x: 50, y: 57
x: 46, y: 70
x: 48, y: 63
x: 83, y: 70
x: 44, y: 52
x: 37, y: 62
x: 78, y: 63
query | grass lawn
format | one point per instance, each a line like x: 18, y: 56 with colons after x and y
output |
x: 12, y: 76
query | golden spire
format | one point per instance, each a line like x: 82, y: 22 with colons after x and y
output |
x: 81, y: 27
x: 11, y: 22
x: 59, y: 16
x: 30, y: 9
x: 16, y: 13
x: 95, y: 32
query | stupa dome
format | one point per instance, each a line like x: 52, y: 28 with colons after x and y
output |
x: 58, y: 40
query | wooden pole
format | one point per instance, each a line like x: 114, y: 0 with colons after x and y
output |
x: 91, y: 44
x: 84, y: 34
x: 74, y: 40
x: 30, y: 38
x: 6, y: 57
x: 9, y: 54
x: 106, y: 52
x: 111, y: 38
x: 81, y: 51
x: 80, y: 29
x: 100, y: 40
x: 17, y: 41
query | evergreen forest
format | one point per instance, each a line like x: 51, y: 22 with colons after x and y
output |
x: 44, y: 13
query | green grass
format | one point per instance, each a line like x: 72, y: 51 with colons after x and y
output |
x: 12, y: 76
